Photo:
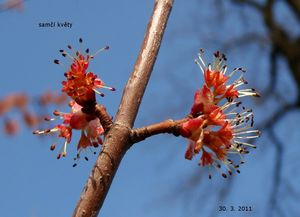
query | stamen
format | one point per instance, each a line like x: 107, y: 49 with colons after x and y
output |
x: 247, y: 137
x: 75, y: 53
x: 101, y: 94
x: 109, y: 88
x: 247, y: 90
x: 235, y: 129
x: 228, y: 104
x: 198, y: 63
x: 243, y: 93
x: 245, y: 143
x: 224, y: 69
x: 98, y: 51
x: 47, y: 131
x: 64, y: 153
x: 247, y: 132
x: 66, y: 54
x: 209, y: 67
x: 58, y: 156
x: 201, y: 51
x: 49, y: 119
x: 52, y: 147
x: 236, y: 70
x: 238, y: 82
x: 56, y: 62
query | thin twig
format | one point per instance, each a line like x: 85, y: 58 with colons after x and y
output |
x: 251, y: 3
x: 273, y: 60
x: 276, y: 173
x: 105, y: 118
x: 168, y: 126
x: 278, y: 115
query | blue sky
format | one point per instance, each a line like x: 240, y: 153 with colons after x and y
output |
x: 35, y: 184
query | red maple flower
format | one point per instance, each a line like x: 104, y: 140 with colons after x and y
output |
x: 213, y: 130
x: 193, y: 129
x: 203, y: 102
x: 81, y: 84
x: 89, y: 125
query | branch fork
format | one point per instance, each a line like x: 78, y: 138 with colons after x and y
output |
x: 119, y: 135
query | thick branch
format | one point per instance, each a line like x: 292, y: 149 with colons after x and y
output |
x: 117, y: 139
x: 167, y: 126
x: 136, y: 85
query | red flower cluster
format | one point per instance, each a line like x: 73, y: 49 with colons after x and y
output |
x: 90, y: 126
x: 213, y: 130
x: 81, y: 84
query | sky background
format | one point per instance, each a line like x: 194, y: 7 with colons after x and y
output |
x: 151, y: 180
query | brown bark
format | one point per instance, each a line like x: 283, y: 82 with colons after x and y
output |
x: 117, y: 139
x: 105, y: 118
x: 168, y: 126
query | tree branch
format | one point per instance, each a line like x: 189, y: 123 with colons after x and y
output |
x: 105, y: 118
x: 277, y: 171
x: 136, y: 85
x: 295, y: 6
x: 99, y: 111
x: 117, y: 139
x: 251, y: 3
x: 168, y: 126
x: 244, y: 40
x: 273, y: 71
x: 277, y: 116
